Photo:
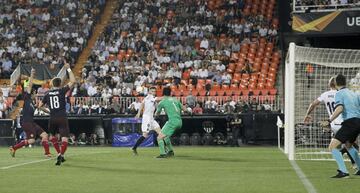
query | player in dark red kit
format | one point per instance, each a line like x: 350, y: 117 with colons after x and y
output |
x: 58, y: 122
x: 31, y: 129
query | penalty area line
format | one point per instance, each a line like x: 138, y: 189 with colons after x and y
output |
x: 308, y: 185
x: 23, y: 164
x: 44, y: 160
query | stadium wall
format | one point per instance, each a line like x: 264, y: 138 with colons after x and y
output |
x: 258, y: 128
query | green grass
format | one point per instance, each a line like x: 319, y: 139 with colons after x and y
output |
x: 194, y: 169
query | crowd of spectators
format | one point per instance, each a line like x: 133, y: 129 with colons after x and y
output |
x: 44, y: 32
x: 156, y: 42
x: 151, y: 42
x: 7, y: 95
x: 323, y: 5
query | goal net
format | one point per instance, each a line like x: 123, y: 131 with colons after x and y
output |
x: 307, y: 73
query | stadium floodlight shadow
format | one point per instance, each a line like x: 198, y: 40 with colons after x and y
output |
x: 113, y: 170
x: 212, y: 159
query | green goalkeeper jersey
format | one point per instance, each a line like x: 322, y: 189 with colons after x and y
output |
x: 172, y: 108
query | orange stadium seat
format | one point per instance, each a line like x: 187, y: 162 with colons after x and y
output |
x: 194, y: 92
x: 212, y: 93
x: 274, y: 65
x: 260, y: 85
x: 202, y: 92
x: 215, y: 86
x: 199, y: 86
x: 159, y: 92
x: 256, y: 66
x: 272, y: 70
x: 185, y: 92
x: 245, y: 76
x: 220, y: 92
x: 245, y: 92
x: 252, y: 86
x: 265, y: 66
x: 190, y: 86
x: 201, y: 82
x: 177, y: 93
x: 256, y: 92
x: 173, y: 87
x: 182, y: 87
x: 273, y: 91
x: 229, y: 92
x: 237, y: 76
x: 234, y: 87
x: 264, y: 92
x: 225, y: 87
x: 269, y: 85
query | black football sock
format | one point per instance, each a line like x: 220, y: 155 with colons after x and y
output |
x: 138, y: 142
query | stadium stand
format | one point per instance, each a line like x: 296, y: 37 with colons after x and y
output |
x: 44, y: 33
x: 226, y: 49
x: 152, y: 43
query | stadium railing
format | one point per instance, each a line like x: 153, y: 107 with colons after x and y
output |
x: 273, y: 100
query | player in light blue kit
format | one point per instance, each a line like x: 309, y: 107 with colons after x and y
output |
x: 347, y: 103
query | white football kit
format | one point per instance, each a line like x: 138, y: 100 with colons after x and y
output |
x: 328, y: 98
x: 148, y: 121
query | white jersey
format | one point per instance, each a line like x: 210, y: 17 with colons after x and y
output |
x: 328, y: 98
x: 149, y: 106
x: 148, y: 121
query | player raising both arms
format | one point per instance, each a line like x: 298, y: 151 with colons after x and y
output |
x: 148, y: 122
x: 31, y: 129
x: 328, y: 98
x: 172, y: 108
x: 58, y: 122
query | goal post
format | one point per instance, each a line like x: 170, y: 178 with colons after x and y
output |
x: 307, y: 72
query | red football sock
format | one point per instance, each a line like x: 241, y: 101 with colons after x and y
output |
x: 63, y: 147
x: 55, y: 144
x: 20, y: 144
x: 45, y: 144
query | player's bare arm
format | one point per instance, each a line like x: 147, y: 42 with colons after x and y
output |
x: 41, y: 107
x: 71, y: 75
x: 31, y: 78
x: 339, y: 109
x: 140, y: 111
x: 312, y: 106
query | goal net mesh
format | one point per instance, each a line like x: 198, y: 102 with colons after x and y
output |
x: 313, y: 69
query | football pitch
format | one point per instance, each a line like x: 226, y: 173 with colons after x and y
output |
x: 192, y: 170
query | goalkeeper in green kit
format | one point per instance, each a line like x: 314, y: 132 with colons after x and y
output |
x: 172, y: 108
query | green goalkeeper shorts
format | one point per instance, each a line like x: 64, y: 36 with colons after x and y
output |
x: 170, y: 127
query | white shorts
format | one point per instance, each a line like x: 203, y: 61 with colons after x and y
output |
x: 149, y: 124
x: 335, y: 127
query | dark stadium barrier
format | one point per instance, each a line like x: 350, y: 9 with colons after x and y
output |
x: 6, y: 132
x: 255, y: 128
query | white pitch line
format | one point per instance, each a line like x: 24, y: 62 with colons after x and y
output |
x: 308, y: 185
x: 22, y: 164
x: 43, y: 160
